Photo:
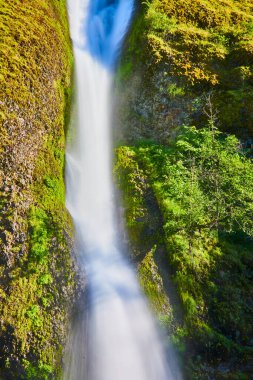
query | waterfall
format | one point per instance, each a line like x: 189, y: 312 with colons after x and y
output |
x: 116, y: 337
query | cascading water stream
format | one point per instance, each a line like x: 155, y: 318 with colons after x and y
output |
x: 116, y: 339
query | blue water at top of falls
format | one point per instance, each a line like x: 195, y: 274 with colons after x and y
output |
x: 107, y: 23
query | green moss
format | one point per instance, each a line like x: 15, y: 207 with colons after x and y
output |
x: 33, y: 314
x: 174, y: 90
x: 204, y: 47
x: 39, y: 235
x: 152, y: 285
x: 37, y: 279
x: 43, y: 371
x: 133, y: 181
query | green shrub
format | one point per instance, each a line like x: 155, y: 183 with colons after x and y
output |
x: 203, y: 184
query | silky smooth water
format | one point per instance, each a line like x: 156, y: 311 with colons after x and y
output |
x: 116, y: 337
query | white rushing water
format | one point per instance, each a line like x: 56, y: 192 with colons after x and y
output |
x: 116, y: 338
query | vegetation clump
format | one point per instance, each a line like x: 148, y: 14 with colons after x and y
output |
x: 202, y: 183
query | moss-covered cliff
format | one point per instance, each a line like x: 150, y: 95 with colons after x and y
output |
x: 181, y: 53
x: 187, y: 192
x: 36, y: 273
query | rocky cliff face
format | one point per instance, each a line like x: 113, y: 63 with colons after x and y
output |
x: 184, y: 62
x: 36, y: 281
x: 190, y: 63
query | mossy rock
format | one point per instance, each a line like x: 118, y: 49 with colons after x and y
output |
x: 36, y: 269
x: 178, y: 55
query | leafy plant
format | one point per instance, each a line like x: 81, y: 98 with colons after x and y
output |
x: 203, y: 184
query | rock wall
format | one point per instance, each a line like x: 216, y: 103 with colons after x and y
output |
x: 36, y: 270
x: 184, y: 62
x: 190, y: 63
